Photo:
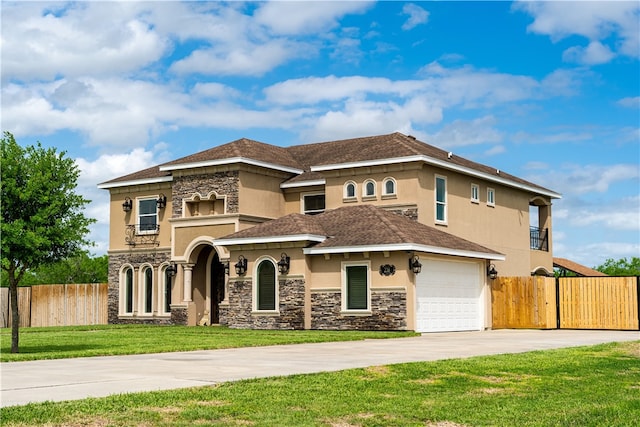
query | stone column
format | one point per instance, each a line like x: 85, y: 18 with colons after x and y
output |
x: 188, y: 271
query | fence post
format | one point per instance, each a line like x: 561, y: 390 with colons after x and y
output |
x: 638, y: 298
x: 557, y: 302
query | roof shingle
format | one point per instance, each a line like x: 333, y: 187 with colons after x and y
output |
x: 360, y: 226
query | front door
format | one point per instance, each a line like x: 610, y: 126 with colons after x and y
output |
x: 217, y: 288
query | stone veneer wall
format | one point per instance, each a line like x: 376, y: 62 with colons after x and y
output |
x: 411, y: 213
x: 238, y: 313
x: 223, y: 183
x: 135, y: 259
x: 388, y: 312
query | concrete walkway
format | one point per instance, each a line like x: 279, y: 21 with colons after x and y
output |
x: 70, y: 379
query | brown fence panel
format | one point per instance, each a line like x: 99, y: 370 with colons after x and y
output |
x: 598, y: 303
x: 24, y: 307
x: 67, y: 305
x: 523, y: 302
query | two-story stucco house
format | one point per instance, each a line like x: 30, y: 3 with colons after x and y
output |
x: 381, y: 232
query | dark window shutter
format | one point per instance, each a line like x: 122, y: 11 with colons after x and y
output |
x: 266, y: 286
x: 357, y: 288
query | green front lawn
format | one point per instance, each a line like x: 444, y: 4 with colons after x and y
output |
x: 587, y: 386
x: 105, y: 340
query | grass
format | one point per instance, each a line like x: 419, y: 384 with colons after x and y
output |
x: 586, y: 386
x: 106, y: 340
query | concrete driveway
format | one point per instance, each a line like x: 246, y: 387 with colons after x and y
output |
x: 70, y: 379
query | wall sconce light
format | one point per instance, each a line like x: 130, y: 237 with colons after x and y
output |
x: 284, y: 263
x: 161, y: 201
x: 387, y: 270
x: 226, y: 268
x: 414, y: 264
x: 172, y: 270
x: 127, y: 204
x: 492, y: 272
x: 241, y: 266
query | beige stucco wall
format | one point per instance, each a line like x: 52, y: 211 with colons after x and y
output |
x: 260, y: 193
x: 118, y: 219
x: 188, y: 233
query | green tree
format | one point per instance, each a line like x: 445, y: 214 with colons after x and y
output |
x: 621, y: 267
x: 42, y: 216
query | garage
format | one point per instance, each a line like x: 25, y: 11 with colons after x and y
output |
x: 449, y: 296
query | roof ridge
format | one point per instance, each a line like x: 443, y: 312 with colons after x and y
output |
x: 384, y: 218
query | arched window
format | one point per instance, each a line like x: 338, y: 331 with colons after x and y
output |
x: 128, y: 290
x: 148, y: 290
x: 350, y: 190
x: 266, y: 286
x: 389, y: 186
x: 369, y: 188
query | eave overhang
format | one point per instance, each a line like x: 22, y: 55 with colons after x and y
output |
x: 407, y: 247
x: 270, y: 239
x: 108, y: 185
x: 443, y: 164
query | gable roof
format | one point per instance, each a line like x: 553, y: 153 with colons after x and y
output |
x: 361, y: 228
x: 307, y: 162
x: 579, y: 269
x: 145, y: 176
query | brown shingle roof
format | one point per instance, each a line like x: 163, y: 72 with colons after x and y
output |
x: 149, y: 173
x: 354, y: 150
x: 246, y: 148
x: 360, y: 226
x: 579, y: 269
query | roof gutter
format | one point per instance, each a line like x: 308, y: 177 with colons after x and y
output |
x: 411, y: 247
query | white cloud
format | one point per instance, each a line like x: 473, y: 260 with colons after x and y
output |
x: 417, y: 16
x: 585, y: 179
x: 460, y: 133
x: 595, y: 53
x: 614, y: 22
x: 76, y: 40
x: 310, y: 17
x: 630, y: 102
x: 250, y: 59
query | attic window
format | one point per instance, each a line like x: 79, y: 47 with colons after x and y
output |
x: 313, y: 203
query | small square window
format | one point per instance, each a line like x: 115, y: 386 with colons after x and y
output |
x: 314, y: 204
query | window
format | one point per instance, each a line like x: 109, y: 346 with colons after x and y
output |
x: 148, y: 290
x: 369, y: 188
x: 350, y: 190
x: 128, y: 290
x: 475, y: 193
x: 167, y: 291
x: 441, y: 199
x: 147, y: 216
x: 389, y: 187
x: 266, y: 286
x: 356, y: 288
x: 313, y: 203
x: 491, y: 197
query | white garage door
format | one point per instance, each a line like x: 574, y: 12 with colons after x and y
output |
x: 449, y: 296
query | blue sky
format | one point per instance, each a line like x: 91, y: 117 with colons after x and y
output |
x: 548, y: 91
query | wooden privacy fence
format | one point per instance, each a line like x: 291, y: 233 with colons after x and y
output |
x: 58, y: 305
x: 566, y: 302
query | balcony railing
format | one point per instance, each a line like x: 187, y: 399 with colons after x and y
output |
x: 539, y: 239
x: 142, y: 234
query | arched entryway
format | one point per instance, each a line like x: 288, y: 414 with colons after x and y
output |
x: 208, y: 284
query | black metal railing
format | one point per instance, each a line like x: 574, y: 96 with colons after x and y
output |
x: 142, y: 234
x: 539, y: 239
